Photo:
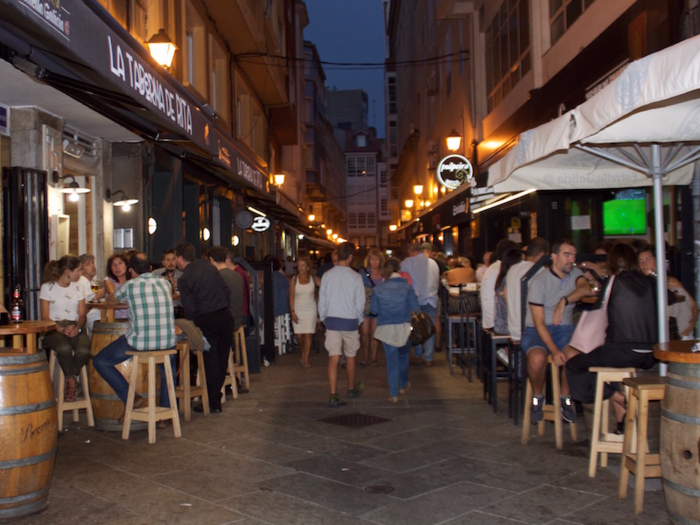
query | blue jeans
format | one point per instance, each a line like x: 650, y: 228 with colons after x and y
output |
x: 396, y: 367
x: 115, y: 353
x: 428, y: 346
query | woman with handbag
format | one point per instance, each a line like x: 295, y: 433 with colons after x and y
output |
x: 631, y: 329
x: 393, y: 302
x: 372, y: 275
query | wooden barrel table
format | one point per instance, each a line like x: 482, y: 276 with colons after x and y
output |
x: 680, y: 431
x: 106, y: 405
x: 28, y: 432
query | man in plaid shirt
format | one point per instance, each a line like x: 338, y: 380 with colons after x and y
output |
x: 152, y: 327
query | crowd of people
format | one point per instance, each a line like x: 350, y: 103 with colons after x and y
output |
x: 367, y: 305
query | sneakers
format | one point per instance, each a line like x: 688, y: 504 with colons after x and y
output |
x: 568, y: 413
x: 536, y: 413
x: 357, y: 391
x: 334, y: 401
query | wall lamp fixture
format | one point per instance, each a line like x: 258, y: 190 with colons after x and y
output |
x: 72, y: 189
x: 162, y: 48
x: 124, y: 202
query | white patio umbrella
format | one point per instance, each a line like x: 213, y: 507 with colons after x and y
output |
x: 642, y: 129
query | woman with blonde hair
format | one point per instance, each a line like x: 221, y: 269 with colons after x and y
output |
x: 302, y: 302
x: 62, y: 300
x: 372, y: 275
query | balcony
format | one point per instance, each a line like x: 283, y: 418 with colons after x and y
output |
x: 243, y: 24
x: 455, y: 8
x: 315, y: 186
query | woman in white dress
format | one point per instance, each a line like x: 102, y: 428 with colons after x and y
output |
x: 302, y: 301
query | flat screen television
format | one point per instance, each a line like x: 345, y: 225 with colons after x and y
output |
x: 625, y: 217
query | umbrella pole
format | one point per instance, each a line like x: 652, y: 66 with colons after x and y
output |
x: 661, y: 279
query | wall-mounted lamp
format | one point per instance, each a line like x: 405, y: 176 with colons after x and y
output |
x: 72, y: 189
x: 418, y: 189
x: 235, y: 240
x: 279, y: 179
x: 409, y: 203
x: 152, y: 226
x: 312, y: 217
x: 454, y: 140
x: 329, y: 231
x: 393, y: 227
x: 206, y: 234
x: 162, y: 48
x: 124, y: 202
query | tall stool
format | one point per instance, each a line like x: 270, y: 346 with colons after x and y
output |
x: 185, y: 390
x: 151, y: 413
x: 551, y: 412
x: 492, y: 342
x: 240, y: 360
x: 603, y: 441
x: 515, y: 379
x: 230, y: 378
x: 642, y: 464
x: 77, y: 405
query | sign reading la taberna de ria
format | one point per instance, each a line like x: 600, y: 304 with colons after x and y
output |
x: 453, y: 171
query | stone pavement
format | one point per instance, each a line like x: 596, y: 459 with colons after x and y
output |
x: 268, y: 459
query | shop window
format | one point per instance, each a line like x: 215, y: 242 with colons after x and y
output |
x: 563, y: 14
x: 219, y: 92
x: 507, y: 49
x: 370, y: 240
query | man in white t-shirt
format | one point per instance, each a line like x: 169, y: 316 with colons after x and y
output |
x: 85, y: 283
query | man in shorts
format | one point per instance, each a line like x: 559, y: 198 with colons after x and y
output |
x: 341, y: 307
x: 552, y: 296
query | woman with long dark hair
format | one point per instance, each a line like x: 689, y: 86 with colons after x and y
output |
x: 62, y: 300
x: 500, y: 321
x: 117, y: 274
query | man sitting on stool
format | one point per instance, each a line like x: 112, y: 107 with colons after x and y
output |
x: 152, y: 327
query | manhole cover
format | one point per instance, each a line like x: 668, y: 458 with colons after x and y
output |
x: 355, y: 420
x: 379, y: 489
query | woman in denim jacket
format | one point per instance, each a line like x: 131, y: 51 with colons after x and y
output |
x: 392, y: 302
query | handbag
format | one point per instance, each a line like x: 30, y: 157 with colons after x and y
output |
x: 422, y: 328
x: 590, y: 331
x: 368, y: 293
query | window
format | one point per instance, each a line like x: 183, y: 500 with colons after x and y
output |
x: 309, y: 158
x: 382, y: 178
x: 393, y: 139
x: 508, y: 57
x: 251, y: 125
x: 196, y: 51
x: 361, y: 220
x: 352, y: 219
x: 371, y: 220
x: 391, y: 93
x: 219, y: 91
x: 361, y: 141
x: 563, y: 13
x: 383, y: 205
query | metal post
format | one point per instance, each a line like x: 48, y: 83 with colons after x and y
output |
x: 661, y: 280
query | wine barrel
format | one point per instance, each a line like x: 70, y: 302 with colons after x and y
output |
x: 29, y: 431
x: 106, y: 405
x: 680, y: 443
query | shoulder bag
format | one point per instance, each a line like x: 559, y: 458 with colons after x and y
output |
x: 591, y: 328
x: 368, y: 293
x: 422, y: 328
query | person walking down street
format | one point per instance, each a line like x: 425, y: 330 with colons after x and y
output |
x: 151, y: 327
x: 372, y: 274
x: 393, y: 301
x: 205, y: 299
x: 62, y: 300
x: 425, y: 278
x: 341, y: 305
x: 302, y: 299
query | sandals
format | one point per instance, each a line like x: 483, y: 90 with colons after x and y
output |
x: 71, y: 391
x: 620, y: 428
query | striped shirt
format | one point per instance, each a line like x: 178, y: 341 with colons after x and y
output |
x: 151, y: 314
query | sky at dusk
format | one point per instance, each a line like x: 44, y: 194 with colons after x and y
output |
x: 351, y: 31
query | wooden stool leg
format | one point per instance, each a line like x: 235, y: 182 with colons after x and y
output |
x: 86, y: 394
x: 242, y: 356
x: 595, y: 437
x: 627, y: 446
x: 526, y: 413
x: 232, y: 373
x: 177, y: 431
x: 151, y: 400
x: 61, y: 396
x: 185, y: 378
x: 556, y: 394
x: 642, y: 449
x: 203, y: 383
x: 130, y: 397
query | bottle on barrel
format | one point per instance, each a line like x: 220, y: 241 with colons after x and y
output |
x: 17, y: 307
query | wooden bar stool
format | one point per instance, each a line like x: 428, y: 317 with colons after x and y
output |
x: 230, y: 378
x: 152, y: 413
x: 551, y: 412
x: 79, y: 404
x: 603, y: 441
x: 185, y: 390
x: 642, y: 464
x: 240, y: 360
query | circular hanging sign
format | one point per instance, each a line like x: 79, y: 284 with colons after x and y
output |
x: 453, y: 171
x: 244, y: 219
x: 260, y: 224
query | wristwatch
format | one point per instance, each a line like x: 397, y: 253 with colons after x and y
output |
x: 566, y: 301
